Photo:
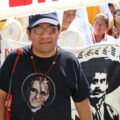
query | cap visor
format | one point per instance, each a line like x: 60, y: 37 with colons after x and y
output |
x: 46, y: 20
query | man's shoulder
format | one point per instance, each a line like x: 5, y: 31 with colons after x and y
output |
x: 67, y: 54
x: 18, y: 51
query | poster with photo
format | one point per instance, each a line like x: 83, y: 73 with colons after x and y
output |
x: 101, y: 67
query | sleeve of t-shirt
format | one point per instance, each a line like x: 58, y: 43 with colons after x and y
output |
x: 82, y: 86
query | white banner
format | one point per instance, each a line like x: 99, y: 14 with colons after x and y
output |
x: 8, y: 45
x: 20, y: 8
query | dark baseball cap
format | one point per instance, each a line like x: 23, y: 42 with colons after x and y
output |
x: 50, y: 18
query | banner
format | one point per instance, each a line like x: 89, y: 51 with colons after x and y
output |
x: 101, y: 66
x: 20, y: 8
x: 7, y: 45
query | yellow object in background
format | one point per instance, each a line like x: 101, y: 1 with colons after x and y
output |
x: 92, y: 11
x: 2, y: 22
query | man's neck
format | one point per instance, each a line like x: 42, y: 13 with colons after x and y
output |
x: 45, y: 54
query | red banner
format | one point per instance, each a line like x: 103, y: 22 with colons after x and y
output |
x: 39, y: 1
x: 14, y: 3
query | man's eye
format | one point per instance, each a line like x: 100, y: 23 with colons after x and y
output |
x: 51, y: 30
x: 43, y: 93
x: 33, y: 89
x: 94, y: 81
x: 38, y: 30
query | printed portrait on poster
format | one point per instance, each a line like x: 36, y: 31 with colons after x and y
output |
x: 101, y: 67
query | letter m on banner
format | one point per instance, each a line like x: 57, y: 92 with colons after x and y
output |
x: 15, y: 3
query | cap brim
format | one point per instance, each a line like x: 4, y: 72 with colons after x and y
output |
x: 46, y: 20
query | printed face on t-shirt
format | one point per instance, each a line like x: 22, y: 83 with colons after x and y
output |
x: 38, y: 93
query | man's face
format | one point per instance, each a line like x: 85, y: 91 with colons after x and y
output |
x: 44, y: 39
x: 99, y: 85
x: 38, y: 94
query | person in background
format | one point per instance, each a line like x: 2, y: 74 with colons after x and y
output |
x: 115, y: 30
x: 100, y: 27
x: 70, y: 36
x: 45, y: 59
x: 112, y: 8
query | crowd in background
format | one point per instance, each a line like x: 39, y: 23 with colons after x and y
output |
x: 79, y: 27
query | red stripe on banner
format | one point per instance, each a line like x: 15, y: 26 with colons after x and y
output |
x: 15, y: 3
x: 39, y: 1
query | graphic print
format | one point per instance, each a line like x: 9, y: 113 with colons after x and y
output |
x: 101, y: 66
x: 98, y: 72
x: 38, y: 91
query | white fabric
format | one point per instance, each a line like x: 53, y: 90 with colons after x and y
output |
x: 82, y: 23
x: 71, y: 38
x: 12, y: 29
x: 109, y: 39
x: 7, y: 45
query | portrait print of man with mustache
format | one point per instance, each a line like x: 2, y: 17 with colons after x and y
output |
x: 97, y: 71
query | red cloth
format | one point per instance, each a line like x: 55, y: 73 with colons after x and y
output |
x: 8, y: 108
x: 15, y: 3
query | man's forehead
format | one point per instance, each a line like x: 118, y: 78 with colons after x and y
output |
x: 45, y: 24
x: 100, y: 75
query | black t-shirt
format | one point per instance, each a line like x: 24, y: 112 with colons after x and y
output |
x: 65, y: 79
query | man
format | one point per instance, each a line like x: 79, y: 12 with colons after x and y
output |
x: 100, y: 27
x: 99, y: 84
x: 38, y: 93
x: 70, y: 37
x: 46, y: 60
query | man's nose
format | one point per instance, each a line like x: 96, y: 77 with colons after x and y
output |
x: 45, y: 34
x: 37, y: 95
